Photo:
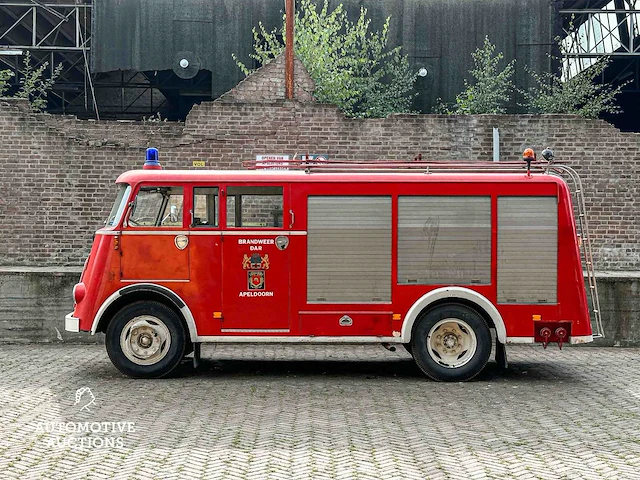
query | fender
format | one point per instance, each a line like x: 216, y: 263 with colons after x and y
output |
x: 453, y: 293
x: 164, y: 291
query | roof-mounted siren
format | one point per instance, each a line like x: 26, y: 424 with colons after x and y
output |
x: 547, y: 154
x: 152, y: 162
x: 529, y: 156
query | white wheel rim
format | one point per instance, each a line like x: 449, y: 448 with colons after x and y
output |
x: 451, y: 343
x: 145, y: 340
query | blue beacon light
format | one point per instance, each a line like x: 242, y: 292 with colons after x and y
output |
x: 152, y: 162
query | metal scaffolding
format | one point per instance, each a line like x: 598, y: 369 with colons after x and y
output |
x: 53, y: 32
x: 59, y: 32
x: 599, y: 29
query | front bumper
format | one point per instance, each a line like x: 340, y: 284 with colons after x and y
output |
x: 71, y: 323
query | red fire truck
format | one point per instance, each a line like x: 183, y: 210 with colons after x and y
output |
x: 433, y: 256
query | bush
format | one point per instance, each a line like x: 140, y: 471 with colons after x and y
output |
x: 578, y: 95
x: 491, y: 89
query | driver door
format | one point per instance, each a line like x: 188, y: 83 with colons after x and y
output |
x: 155, y: 242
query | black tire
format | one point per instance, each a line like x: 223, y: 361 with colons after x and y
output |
x: 407, y: 347
x: 158, y: 318
x: 461, y: 361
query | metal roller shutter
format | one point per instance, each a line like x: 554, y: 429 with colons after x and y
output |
x: 349, y: 249
x: 444, y: 240
x: 527, y: 249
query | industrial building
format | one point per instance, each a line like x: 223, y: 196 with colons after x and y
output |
x: 133, y: 59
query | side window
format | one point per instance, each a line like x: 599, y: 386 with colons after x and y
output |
x: 205, y: 207
x: 254, y: 207
x: 157, y: 206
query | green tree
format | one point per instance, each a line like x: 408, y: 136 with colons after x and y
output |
x: 491, y: 89
x: 579, y: 94
x: 34, y: 85
x: 351, y: 65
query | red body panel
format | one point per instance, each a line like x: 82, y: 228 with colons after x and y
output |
x: 212, y: 275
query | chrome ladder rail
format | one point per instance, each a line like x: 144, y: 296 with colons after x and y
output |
x: 585, y: 246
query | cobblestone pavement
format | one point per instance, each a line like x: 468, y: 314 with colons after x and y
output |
x: 287, y: 412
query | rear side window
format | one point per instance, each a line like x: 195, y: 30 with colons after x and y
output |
x: 254, y: 207
x: 157, y: 207
x: 205, y: 207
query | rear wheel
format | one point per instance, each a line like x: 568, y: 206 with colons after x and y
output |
x: 451, y: 342
x: 146, y: 340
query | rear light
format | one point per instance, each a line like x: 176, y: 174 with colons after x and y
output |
x: 79, y: 291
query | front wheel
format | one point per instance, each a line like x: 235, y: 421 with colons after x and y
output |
x: 451, y: 343
x: 146, y: 340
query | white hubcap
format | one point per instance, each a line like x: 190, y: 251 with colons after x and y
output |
x: 145, y: 340
x: 451, y: 342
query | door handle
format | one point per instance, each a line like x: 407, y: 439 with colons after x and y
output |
x: 293, y: 218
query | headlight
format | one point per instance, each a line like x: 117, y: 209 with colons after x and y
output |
x: 79, y: 291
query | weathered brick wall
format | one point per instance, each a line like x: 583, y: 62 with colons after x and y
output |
x: 267, y: 84
x: 57, y: 173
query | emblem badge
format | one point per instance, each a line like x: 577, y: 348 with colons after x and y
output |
x: 255, y: 279
x: 255, y: 261
x: 181, y: 242
x: 282, y: 242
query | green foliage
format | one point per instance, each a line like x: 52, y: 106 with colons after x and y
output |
x: 34, y: 85
x: 5, y: 76
x: 351, y: 66
x: 578, y: 95
x: 491, y: 89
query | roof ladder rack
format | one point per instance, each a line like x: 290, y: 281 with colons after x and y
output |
x: 420, y: 166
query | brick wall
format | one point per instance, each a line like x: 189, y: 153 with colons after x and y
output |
x: 57, y: 173
x: 267, y: 84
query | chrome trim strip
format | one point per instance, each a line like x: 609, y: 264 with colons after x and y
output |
x: 205, y: 232
x: 234, y: 233
x: 581, y: 339
x: 256, y: 330
x: 125, y: 280
x: 246, y: 233
x: 343, y: 312
x: 287, y: 339
x: 155, y: 232
x: 520, y: 340
x: 329, y: 302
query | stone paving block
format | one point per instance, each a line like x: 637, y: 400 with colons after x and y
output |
x: 346, y: 412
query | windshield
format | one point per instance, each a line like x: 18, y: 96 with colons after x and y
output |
x: 118, y: 206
